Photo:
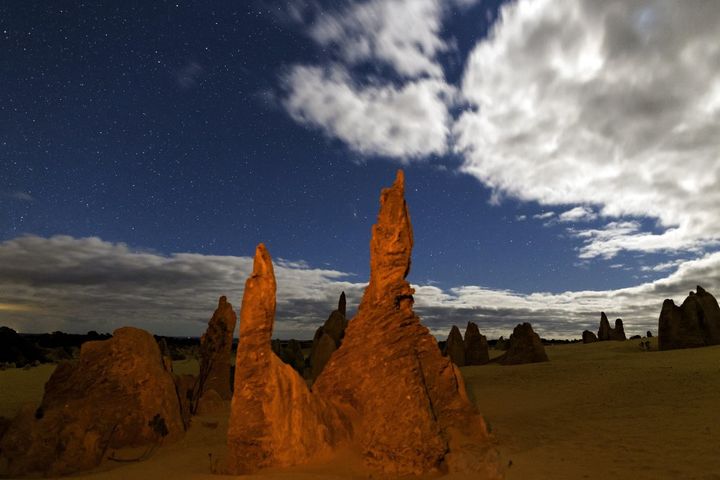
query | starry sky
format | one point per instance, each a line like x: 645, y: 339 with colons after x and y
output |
x: 147, y: 147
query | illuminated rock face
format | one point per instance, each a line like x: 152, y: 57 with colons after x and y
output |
x: 696, y: 323
x: 215, y: 350
x: 477, y: 351
x: 274, y: 419
x: 408, y: 403
x: 525, y: 347
x: 387, y: 389
x: 117, y: 394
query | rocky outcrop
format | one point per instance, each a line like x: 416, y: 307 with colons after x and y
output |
x: 524, y: 347
x: 118, y: 394
x: 695, y: 323
x: 274, y: 418
x: 215, y: 350
x: 589, y: 337
x: 605, y: 332
x: 455, y: 347
x: 410, y: 411
x: 327, y: 339
x: 476, y: 346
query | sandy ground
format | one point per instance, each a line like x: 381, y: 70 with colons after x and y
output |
x: 600, y: 411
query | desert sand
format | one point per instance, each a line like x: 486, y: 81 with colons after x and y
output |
x: 601, y: 410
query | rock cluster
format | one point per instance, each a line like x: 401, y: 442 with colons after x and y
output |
x: 118, y: 394
x: 215, y: 350
x: 695, y: 323
x: 605, y: 332
x: 525, y: 346
x: 386, y: 390
x: 14, y: 349
x: 328, y: 338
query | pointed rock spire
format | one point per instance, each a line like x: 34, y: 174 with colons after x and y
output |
x: 274, y: 418
x: 390, y: 248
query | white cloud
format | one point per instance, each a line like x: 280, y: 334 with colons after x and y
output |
x: 610, y: 103
x: 544, y: 215
x: 577, y: 214
x: 404, y: 122
x: 404, y: 34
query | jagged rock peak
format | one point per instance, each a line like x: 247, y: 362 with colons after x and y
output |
x: 257, y: 316
x: 390, y: 247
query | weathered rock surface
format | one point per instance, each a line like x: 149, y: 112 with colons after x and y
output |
x: 476, y: 346
x: 455, y: 347
x: 589, y: 337
x: 274, y: 418
x: 695, y: 323
x: 410, y: 411
x: 215, y: 351
x: 524, y: 347
x: 605, y: 332
x: 118, y: 394
x: 322, y: 350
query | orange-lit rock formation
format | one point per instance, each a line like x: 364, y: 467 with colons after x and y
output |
x: 215, y: 349
x: 408, y: 404
x: 274, y: 419
x: 118, y: 394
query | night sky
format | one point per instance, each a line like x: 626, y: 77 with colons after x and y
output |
x: 166, y: 127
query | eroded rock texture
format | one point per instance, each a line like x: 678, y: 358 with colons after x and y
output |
x: 408, y: 403
x: 605, y: 332
x: 274, y: 419
x: 524, y: 347
x: 695, y: 323
x: 215, y: 350
x: 118, y: 394
x: 455, y: 347
x: 476, y: 346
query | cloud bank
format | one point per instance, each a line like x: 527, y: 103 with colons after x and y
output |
x: 612, y: 107
x: 81, y: 284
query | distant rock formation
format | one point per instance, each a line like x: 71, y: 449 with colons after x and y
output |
x: 410, y: 409
x: 476, y: 346
x: 328, y: 338
x: 607, y: 333
x: 215, y: 351
x: 589, y: 337
x: 695, y: 323
x: 274, y: 418
x: 118, y: 394
x: 455, y: 347
x: 14, y: 349
x: 501, y: 344
x: 524, y: 347
x: 649, y: 334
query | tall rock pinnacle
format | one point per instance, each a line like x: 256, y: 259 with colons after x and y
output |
x: 390, y: 248
x: 274, y: 418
